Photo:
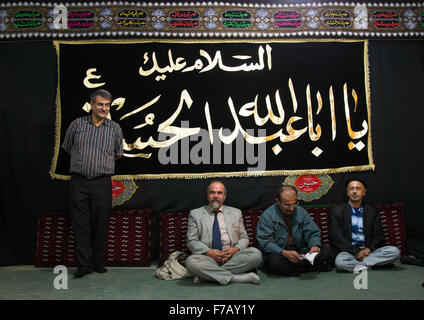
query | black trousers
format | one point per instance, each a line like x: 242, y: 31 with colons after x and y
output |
x: 90, y: 204
x: 278, y: 264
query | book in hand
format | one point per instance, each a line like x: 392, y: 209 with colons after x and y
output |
x: 309, y: 256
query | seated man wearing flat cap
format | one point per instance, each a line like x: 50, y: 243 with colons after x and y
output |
x: 356, y: 232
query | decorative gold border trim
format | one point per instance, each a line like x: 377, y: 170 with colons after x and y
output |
x: 368, y: 99
x: 58, y: 118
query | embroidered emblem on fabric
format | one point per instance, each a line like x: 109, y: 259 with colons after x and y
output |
x: 122, y: 191
x: 310, y: 187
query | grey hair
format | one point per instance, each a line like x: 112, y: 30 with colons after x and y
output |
x: 225, y: 189
x: 100, y: 92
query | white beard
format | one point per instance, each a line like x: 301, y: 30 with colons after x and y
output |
x: 215, y: 204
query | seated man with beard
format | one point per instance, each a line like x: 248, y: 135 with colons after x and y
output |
x: 218, y: 240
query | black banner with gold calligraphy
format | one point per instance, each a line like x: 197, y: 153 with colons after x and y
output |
x: 217, y: 108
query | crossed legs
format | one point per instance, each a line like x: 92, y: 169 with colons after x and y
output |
x: 206, y: 268
x: 345, y: 261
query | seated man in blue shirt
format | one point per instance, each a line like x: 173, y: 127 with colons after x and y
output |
x: 286, y: 232
x: 356, y: 232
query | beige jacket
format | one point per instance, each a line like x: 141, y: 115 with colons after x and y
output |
x: 199, y: 229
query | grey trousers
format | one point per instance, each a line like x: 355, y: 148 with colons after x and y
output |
x: 206, y: 268
x: 345, y: 261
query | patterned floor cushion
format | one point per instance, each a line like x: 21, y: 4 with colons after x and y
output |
x: 128, y: 240
x: 392, y: 218
x: 172, y: 234
x: 320, y: 215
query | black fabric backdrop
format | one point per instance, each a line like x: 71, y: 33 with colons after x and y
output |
x: 27, y: 131
x: 319, y: 64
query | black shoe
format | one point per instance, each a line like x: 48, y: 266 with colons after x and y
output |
x: 325, y: 268
x: 81, y: 273
x: 307, y: 267
x: 100, y: 269
x: 293, y: 274
x: 384, y: 266
x: 412, y: 260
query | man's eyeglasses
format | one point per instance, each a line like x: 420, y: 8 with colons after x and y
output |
x: 289, y: 205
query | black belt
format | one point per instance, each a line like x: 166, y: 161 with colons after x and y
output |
x: 91, y: 177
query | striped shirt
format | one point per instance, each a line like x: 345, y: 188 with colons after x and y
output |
x: 93, y: 149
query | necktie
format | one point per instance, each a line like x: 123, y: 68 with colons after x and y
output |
x: 216, y: 233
